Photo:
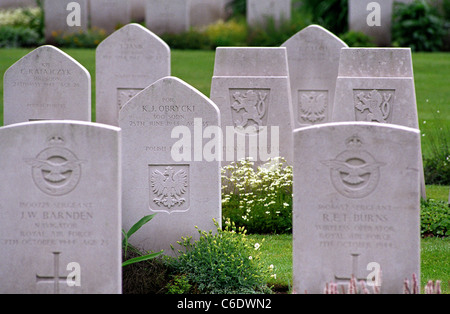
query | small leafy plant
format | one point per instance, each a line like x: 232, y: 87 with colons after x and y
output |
x: 435, y: 218
x: 225, y: 261
x: 126, y: 245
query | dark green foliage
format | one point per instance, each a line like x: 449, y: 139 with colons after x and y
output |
x: 13, y: 37
x: 357, y: 39
x: 191, y: 39
x: 238, y: 7
x: 225, y: 261
x: 435, y: 218
x: 417, y: 25
x: 331, y: 14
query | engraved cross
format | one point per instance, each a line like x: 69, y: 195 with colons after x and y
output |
x: 354, y: 271
x: 56, y: 279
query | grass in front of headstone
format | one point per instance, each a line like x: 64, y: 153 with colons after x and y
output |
x: 277, y: 251
x: 432, y: 93
x: 437, y: 192
x: 435, y: 262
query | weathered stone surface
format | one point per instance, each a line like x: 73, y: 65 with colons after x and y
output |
x: 47, y: 84
x: 60, y: 211
x: 313, y: 59
x: 356, y: 205
x: 128, y: 61
x: 171, y: 163
x: 251, y: 88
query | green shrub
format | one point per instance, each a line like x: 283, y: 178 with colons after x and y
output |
x: 14, y: 37
x: 82, y: 39
x: 357, y: 39
x: 23, y: 27
x: 261, y: 200
x: 417, y: 25
x: 229, y: 33
x: 226, y: 261
x: 24, y: 17
x: 435, y: 218
x: 272, y: 35
x: 192, y: 39
x: 331, y: 14
x: 238, y: 7
x: 179, y: 285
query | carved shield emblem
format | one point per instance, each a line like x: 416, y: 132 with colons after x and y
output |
x: 374, y: 105
x: 169, y: 188
x: 312, y: 107
x: 250, y: 108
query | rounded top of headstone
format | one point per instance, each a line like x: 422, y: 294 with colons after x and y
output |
x: 133, y: 31
x: 251, y: 61
x: 314, y: 33
x: 47, y: 55
x: 376, y: 62
x: 168, y: 87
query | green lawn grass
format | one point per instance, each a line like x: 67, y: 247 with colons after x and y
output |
x: 432, y: 82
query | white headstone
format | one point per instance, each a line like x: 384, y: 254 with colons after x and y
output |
x: 259, y: 11
x: 162, y: 16
x: 376, y: 85
x: 251, y: 88
x: 313, y: 59
x: 171, y: 166
x: 206, y: 12
x: 356, y: 206
x: 138, y: 10
x: 373, y: 18
x: 109, y: 15
x: 60, y: 213
x: 127, y: 61
x: 47, y: 84
x: 65, y: 17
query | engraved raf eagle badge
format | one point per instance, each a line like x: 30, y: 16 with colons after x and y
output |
x: 354, y: 173
x: 56, y: 170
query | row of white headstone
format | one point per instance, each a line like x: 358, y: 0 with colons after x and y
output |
x: 70, y: 186
x: 373, y: 18
x: 161, y: 16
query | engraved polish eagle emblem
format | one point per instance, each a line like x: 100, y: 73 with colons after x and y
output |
x: 313, y: 105
x: 169, y: 186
